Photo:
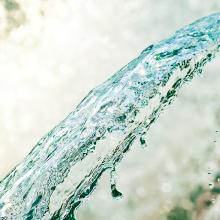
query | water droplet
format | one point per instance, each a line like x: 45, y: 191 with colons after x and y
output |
x: 143, y: 141
x: 211, y: 185
x: 116, y: 194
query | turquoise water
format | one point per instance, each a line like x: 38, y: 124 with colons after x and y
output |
x: 64, y: 167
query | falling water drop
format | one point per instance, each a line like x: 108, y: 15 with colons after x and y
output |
x: 211, y: 185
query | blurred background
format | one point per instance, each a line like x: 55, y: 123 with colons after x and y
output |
x: 53, y: 52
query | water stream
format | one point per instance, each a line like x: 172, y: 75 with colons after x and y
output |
x: 64, y: 167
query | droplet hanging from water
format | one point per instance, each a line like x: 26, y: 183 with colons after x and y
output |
x: 115, y: 193
x: 143, y: 141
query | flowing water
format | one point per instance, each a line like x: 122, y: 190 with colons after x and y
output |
x: 64, y: 167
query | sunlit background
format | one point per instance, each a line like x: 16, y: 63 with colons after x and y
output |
x: 53, y: 52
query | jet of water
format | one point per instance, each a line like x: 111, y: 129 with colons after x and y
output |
x: 64, y: 167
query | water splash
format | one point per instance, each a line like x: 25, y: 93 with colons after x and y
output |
x: 64, y: 167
